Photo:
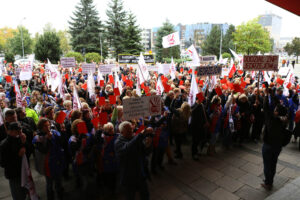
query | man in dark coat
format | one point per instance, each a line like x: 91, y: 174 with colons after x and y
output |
x: 131, y: 151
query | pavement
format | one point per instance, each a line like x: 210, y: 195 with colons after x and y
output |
x: 234, y: 174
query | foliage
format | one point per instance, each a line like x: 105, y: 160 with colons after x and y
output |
x: 293, y: 48
x: 161, y: 52
x: 180, y: 60
x: 132, y: 42
x: 251, y: 38
x: 64, y: 38
x: 78, y: 57
x: 116, y: 26
x: 15, y: 43
x: 9, y: 57
x: 93, y: 57
x: 228, y: 41
x: 5, y: 34
x: 211, y: 44
x: 85, y: 27
x: 48, y: 47
x: 226, y: 55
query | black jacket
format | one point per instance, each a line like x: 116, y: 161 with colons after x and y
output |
x: 10, y: 160
x: 198, y: 119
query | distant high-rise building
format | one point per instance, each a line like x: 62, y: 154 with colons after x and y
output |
x: 146, y: 39
x: 272, y: 23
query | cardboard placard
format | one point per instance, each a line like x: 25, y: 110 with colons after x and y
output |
x: 106, y: 69
x: 261, y: 63
x: 209, y: 70
x: 68, y: 62
x: 88, y: 68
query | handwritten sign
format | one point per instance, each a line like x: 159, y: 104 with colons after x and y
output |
x: 141, y: 107
x: 166, y: 68
x: 209, y: 70
x: 257, y: 63
x: 88, y: 68
x: 206, y: 59
x: 106, y: 69
x: 133, y: 59
x: 68, y: 62
x: 153, y: 68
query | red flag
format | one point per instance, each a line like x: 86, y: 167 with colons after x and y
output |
x: 101, y: 101
x: 243, y: 84
x: 8, y: 79
x: 140, y: 130
x: 84, y: 86
x: 181, y: 82
x: 181, y: 70
x: 297, y: 117
x: 103, y: 118
x: 200, y: 96
x: 101, y: 83
x: 111, y: 79
x: 112, y: 99
x: 240, y: 72
x: 279, y: 81
x: 225, y: 87
x: 81, y: 127
x: 190, y: 71
x: 67, y: 76
x: 195, y: 72
x: 218, y: 91
x: 95, y: 122
x: 61, y: 117
x: 223, y: 81
x: 232, y: 71
x: 201, y: 82
x: 117, y: 91
x: 80, y: 69
x: 42, y: 70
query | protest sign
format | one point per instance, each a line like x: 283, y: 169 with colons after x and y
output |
x: 206, y: 59
x: 166, y: 69
x: 263, y: 63
x: 152, y: 68
x: 88, y: 68
x: 26, y: 72
x: 18, y: 71
x: 141, y: 107
x: 133, y: 59
x: 106, y: 69
x: 68, y: 62
x: 209, y: 70
x: 225, y: 71
x: 171, y: 40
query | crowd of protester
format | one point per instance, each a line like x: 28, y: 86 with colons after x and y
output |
x: 129, y: 152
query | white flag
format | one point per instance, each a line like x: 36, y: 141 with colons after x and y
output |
x: 118, y: 83
x: 159, y: 87
x: 18, y: 95
x: 54, y: 75
x: 193, y: 91
x: 76, y: 101
x: 91, y: 86
x: 138, y: 84
x: 237, y: 57
x: 1, y: 118
x: 171, y: 40
x: 142, y: 69
x: 26, y: 71
x: 100, y: 77
x: 172, y: 69
x: 27, y: 180
x: 61, y: 90
x: 192, y: 52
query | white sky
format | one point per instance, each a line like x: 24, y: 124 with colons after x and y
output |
x: 150, y: 13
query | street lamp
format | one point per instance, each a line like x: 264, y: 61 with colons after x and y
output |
x: 100, y: 46
x: 22, y: 36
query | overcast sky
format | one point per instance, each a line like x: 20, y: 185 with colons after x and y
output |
x: 150, y: 13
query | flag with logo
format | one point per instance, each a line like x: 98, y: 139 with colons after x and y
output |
x: 76, y: 101
x: 18, y: 95
x: 171, y: 40
x: 159, y: 86
x: 193, y: 91
x: 142, y: 69
x: 27, y: 180
x: 192, y: 52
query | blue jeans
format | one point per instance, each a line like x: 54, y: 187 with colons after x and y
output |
x: 270, y: 156
x: 17, y: 192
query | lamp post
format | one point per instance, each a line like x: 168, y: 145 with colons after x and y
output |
x: 100, y: 46
x: 21, y: 27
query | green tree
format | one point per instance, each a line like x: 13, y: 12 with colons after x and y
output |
x: 226, y: 55
x: 161, y: 52
x: 293, y: 48
x: 251, y: 38
x: 93, y: 57
x: 116, y: 26
x: 211, y: 44
x: 5, y: 34
x: 132, y: 42
x: 228, y: 41
x: 64, y: 38
x: 48, y: 47
x: 85, y: 28
x: 15, y: 43
x: 78, y: 57
x: 9, y: 57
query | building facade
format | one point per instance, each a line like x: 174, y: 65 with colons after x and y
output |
x: 146, y: 39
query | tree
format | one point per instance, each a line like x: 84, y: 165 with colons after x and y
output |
x: 15, y: 43
x: 251, y: 38
x: 64, y: 38
x: 161, y: 52
x: 9, y: 57
x: 116, y: 26
x: 211, y: 44
x: 85, y: 28
x: 226, y: 55
x: 132, y: 42
x: 228, y: 40
x: 93, y: 57
x: 293, y: 48
x: 78, y: 57
x: 48, y: 47
x: 5, y: 34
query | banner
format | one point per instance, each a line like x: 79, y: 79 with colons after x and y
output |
x: 260, y: 63
x: 209, y: 70
x: 141, y: 107
x: 88, y: 68
x: 152, y: 68
x: 166, y: 68
x: 171, y: 40
x: 206, y: 59
x: 26, y: 72
x: 68, y: 62
x: 106, y: 69
x: 133, y: 59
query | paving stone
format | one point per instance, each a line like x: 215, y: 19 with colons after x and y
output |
x: 171, y: 193
x: 236, y: 162
x: 203, y: 186
x: 252, y: 168
x: 184, y: 197
x: 290, y: 173
x: 221, y: 194
x: 288, y: 158
x: 251, y: 180
x: 229, y: 183
x: 249, y: 193
x: 252, y: 158
x: 211, y: 174
x: 285, y: 193
x: 233, y: 172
